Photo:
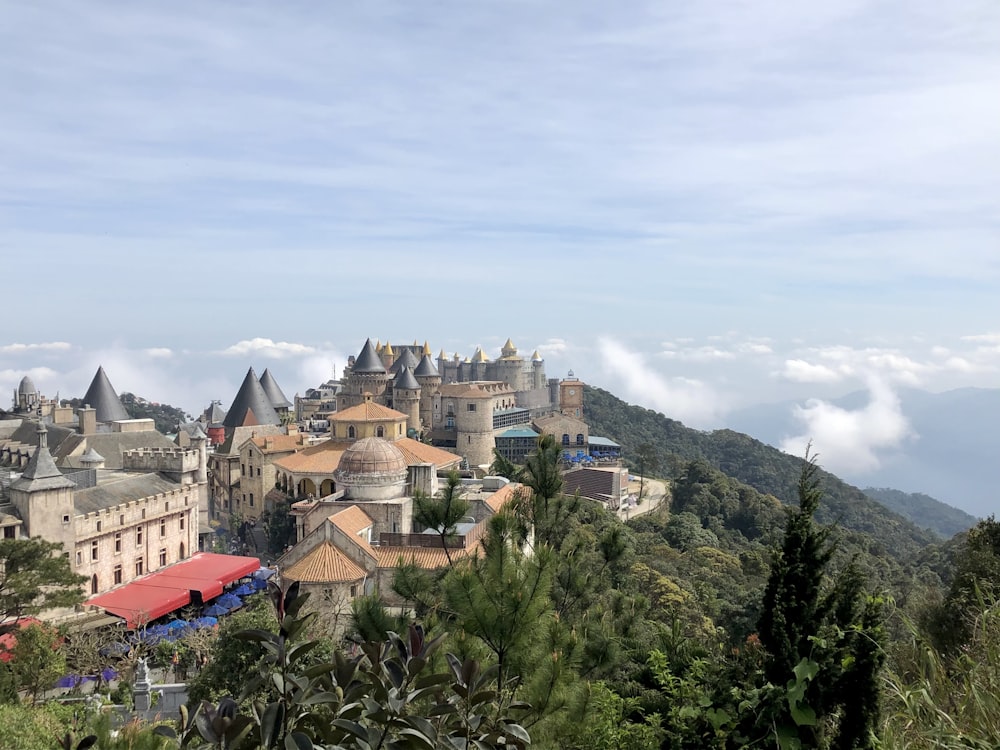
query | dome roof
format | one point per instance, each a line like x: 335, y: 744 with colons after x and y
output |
x: 26, y: 388
x: 372, y: 455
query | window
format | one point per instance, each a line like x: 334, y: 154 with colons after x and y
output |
x: 579, y: 438
x: 66, y: 519
x: 143, y: 512
x: 118, y: 542
x: 9, y: 532
x: 243, y: 468
x: 350, y: 431
x: 166, y: 505
x: 118, y: 574
x: 79, y: 557
x: 354, y: 591
x: 182, y: 523
x: 565, y: 439
x: 470, y: 407
x: 93, y: 550
x: 163, y: 557
x: 93, y: 584
x: 163, y: 527
x: 138, y: 566
x: 138, y: 536
x: 251, y: 499
x: 181, y: 557
x: 380, y: 431
x: 258, y: 471
x: 121, y: 520
x: 98, y: 526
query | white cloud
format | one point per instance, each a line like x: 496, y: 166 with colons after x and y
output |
x: 49, y: 346
x: 268, y: 348
x: 983, y: 338
x: 687, y: 400
x: 553, y: 347
x: 159, y: 352
x: 752, y: 347
x: 848, y: 442
x: 800, y: 371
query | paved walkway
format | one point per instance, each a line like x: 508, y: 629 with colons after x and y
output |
x: 655, y: 491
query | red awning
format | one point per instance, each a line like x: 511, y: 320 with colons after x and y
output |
x: 165, y: 591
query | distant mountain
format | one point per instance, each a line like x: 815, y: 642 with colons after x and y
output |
x: 761, y: 466
x: 954, y: 457
x: 924, y: 511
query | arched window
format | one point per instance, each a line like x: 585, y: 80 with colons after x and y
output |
x: 93, y: 584
x: 181, y: 556
x: 350, y: 431
x: 380, y: 431
x: 565, y: 439
x: 579, y: 438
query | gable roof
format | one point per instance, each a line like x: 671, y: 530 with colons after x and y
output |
x: 102, y: 398
x: 318, y: 459
x: 251, y: 405
x: 279, y: 443
x: 368, y: 361
x: 416, y: 452
x: 128, y: 488
x: 273, y: 391
x: 352, y: 521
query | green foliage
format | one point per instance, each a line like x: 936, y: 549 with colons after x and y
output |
x: 36, y: 661
x: 443, y: 513
x: 503, y: 467
x: 279, y: 524
x: 609, y: 722
x: 35, y: 576
x: 166, y: 418
x: 34, y: 727
x: 924, y: 511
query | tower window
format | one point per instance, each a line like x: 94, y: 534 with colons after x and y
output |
x: 118, y: 574
x: 94, y: 550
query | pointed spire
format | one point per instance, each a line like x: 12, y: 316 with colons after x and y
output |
x: 406, y: 359
x: 426, y: 368
x: 405, y: 381
x: 536, y: 357
x: 387, y: 349
x: 273, y: 391
x: 251, y: 403
x: 41, y: 472
x: 368, y: 361
x: 101, y: 396
x: 427, y: 348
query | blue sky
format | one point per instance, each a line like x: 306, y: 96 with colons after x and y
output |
x: 679, y: 187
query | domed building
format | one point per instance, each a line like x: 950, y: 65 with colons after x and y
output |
x: 372, y: 469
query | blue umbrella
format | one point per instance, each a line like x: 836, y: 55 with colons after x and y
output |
x: 259, y: 584
x: 215, y: 610
x: 177, y: 625
x: 245, y: 590
x: 229, y: 601
x: 263, y: 574
x: 205, y: 622
x: 69, y: 681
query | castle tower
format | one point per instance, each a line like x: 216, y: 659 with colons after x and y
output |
x: 537, y: 371
x: 388, y: 355
x: 44, y: 497
x: 26, y: 398
x: 368, y: 375
x: 406, y: 398
x: 571, y: 396
x: 430, y: 383
x: 479, y: 362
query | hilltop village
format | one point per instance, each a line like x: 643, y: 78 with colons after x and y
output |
x: 143, y: 516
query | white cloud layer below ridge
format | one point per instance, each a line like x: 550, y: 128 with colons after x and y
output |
x: 267, y: 348
x: 690, y: 401
x: 851, y: 442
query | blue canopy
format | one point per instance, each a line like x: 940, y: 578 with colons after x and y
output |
x: 259, y: 584
x: 263, y: 573
x: 176, y: 626
x: 245, y: 590
x: 204, y: 622
x: 216, y: 610
x: 229, y: 601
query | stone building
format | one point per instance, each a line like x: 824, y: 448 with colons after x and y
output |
x: 258, y: 475
x: 114, y: 525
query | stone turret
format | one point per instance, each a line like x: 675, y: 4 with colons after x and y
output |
x: 430, y: 383
x: 406, y: 398
x: 44, y: 497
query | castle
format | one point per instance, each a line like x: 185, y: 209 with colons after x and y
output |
x: 455, y: 403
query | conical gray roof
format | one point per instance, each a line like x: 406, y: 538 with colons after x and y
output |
x: 26, y: 387
x: 41, y: 472
x: 406, y: 359
x: 102, y: 398
x: 197, y: 433
x: 368, y: 361
x: 405, y: 379
x: 215, y: 414
x: 426, y: 368
x: 91, y: 457
x: 273, y: 391
x: 251, y: 398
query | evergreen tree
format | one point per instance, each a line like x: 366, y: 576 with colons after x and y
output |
x: 443, y: 513
x: 35, y: 576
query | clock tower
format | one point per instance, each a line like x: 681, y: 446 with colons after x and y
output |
x: 571, y: 396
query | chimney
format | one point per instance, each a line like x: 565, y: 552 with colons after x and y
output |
x: 88, y: 420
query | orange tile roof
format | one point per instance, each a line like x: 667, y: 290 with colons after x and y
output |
x: 504, y: 495
x: 369, y: 411
x: 324, y: 563
x: 280, y: 443
x: 352, y: 521
x: 416, y: 452
x: 423, y: 557
x: 319, y: 459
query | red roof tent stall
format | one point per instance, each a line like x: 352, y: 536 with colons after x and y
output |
x: 167, y: 590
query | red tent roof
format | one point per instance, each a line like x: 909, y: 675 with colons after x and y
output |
x: 167, y: 590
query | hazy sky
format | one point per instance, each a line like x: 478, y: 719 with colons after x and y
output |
x: 695, y: 205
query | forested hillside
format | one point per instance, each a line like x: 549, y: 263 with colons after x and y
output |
x: 670, y: 444
x: 924, y: 510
